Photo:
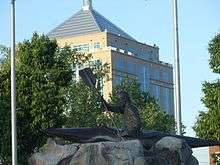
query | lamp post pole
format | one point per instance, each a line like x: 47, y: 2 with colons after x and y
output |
x: 177, y: 89
x: 13, y: 87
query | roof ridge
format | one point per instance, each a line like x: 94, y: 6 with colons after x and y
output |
x: 86, y: 22
x: 96, y: 12
x: 95, y: 21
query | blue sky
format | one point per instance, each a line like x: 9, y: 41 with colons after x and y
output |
x: 148, y: 21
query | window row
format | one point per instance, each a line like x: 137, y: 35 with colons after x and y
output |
x: 121, y: 63
x: 86, y: 47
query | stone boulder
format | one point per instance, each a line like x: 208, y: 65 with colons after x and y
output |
x: 167, y: 151
x: 177, y: 149
x: 53, y: 152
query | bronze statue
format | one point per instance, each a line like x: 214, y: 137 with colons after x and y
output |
x: 132, y: 122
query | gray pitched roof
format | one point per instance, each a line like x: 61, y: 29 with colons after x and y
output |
x: 86, y: 22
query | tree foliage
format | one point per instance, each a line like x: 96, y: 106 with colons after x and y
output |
x: 86, y: 110
x: 48, y: 96
x: 214, y: 50
x: 152, y: 116
x: 4, y: 52
x: 43, y: 73
x: 84, y: 105
x: 207, y: 125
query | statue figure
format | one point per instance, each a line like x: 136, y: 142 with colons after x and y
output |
x: 132, y: 124
x: 132, y: 121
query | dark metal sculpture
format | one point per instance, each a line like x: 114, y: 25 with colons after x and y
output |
x: 147, y: 137
x: 132, y: 124
x: 132, y: 121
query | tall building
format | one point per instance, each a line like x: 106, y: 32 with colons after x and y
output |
x: 90, y: 32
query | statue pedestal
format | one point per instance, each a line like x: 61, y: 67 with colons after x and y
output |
x: 168, y: 150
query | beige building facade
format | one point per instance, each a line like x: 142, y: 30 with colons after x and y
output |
x: 89, y: 32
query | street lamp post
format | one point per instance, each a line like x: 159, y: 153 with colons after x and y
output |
x: 177, y: 91
x: 13, y: 87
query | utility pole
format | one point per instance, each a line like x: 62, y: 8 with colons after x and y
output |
x: 13, y: 87
x: 177, y: 89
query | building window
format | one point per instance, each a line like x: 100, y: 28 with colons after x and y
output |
x: 85, y: 47
x: 97, y: 45
x: 156, y: 74
x: 131, y: 68
x: 119, y: 63
x: 81, y: 48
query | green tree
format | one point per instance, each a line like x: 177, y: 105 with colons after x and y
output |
x: 5, y: 141
x: 4, y: 51
x: 152, y: 116
x: 84, y: 106
x: 86, y: 110
x: 207, y: 124
x: 43, y: 73
x: 214, y: 50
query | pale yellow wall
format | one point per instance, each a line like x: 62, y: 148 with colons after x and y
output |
x: 90, y: 39
x: 103, y: 54
x: 105, y: 57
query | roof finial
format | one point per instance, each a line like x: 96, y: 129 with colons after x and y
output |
x: 87, y: 4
